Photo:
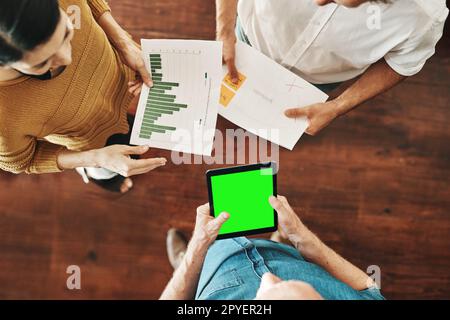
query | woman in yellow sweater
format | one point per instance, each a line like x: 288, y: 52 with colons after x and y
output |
x: 64, y: 93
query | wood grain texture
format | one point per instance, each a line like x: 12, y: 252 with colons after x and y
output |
x: 374, y: 186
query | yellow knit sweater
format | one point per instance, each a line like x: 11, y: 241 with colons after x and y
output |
x: 77, y: 110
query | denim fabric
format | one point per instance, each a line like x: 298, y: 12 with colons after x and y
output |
x: 240, y: 33
x: 233, y: 269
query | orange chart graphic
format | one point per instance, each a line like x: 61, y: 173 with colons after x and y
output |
x: 226, y: 95
x: 229, y: 89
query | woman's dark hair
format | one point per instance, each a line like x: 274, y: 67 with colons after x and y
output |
x: 24, y: 25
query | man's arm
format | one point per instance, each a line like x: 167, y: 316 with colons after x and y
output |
x: 315, y: 251
x: 379, y: 78
x: 184, y: 282
x: 226, y: 13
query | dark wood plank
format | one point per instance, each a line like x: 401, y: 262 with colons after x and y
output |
x: 374, y: 186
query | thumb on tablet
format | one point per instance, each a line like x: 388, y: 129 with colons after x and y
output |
x: 219, y: 221
x: 276, y: 204
x: 285, y: 215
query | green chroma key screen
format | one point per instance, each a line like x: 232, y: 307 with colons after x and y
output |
x: 244, y: 193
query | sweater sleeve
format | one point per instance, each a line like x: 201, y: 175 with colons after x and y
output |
x: 29, y: 155
x: 98, y: 7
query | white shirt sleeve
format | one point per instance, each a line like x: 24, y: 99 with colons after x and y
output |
x: 409, y: 57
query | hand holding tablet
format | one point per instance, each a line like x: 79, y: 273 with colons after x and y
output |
x: 244, y: 193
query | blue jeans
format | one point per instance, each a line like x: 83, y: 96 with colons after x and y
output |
x: 240, y: 34
x: 233, y: 269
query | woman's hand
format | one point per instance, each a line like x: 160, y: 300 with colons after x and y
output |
x: 129, y: 51
x: 117, y: 159
x: 319, y: 115
x: 207, y: 227
x: 131, y: 55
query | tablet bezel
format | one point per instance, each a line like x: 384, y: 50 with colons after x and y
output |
x: 239, y: 169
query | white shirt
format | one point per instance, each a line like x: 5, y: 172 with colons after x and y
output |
x: 334, y: 43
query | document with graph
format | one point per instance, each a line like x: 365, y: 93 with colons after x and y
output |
x: 179, y: 112
x: 264, y: 91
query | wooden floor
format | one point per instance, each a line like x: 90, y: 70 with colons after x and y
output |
x: 374, y: 186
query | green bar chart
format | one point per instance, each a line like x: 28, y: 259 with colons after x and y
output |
x: 161, y: 101
x: 179, y: 111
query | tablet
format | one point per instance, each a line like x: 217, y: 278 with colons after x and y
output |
x: 244, y: 193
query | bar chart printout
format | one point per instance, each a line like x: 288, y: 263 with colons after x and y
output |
x: 159, y: 102
x: 179, y: 112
